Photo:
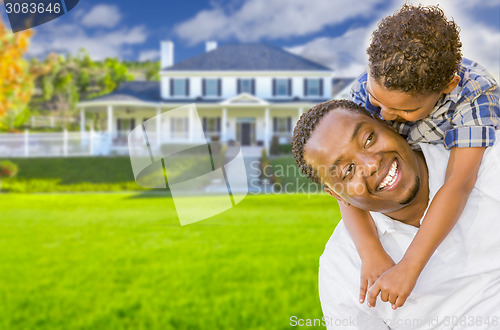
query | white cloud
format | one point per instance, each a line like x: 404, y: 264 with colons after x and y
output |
x: 347, y: 53
x: 101, y: 43
x: 102, y: 16
x: 149, y: 55
x: 70, y: 38
x: 271, y: 19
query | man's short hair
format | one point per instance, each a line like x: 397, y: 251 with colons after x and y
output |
x: 306, y: 125
x: 416, y: 50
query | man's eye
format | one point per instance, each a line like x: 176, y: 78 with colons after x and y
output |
x: 368, y: 140
x: 348, y: 171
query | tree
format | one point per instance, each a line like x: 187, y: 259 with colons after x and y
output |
x: 16, y: 79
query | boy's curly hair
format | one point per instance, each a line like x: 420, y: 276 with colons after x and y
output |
x: 416, y: 50
x: 306, y: 125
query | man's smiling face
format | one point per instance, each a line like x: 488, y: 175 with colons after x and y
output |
x: 363, y: 161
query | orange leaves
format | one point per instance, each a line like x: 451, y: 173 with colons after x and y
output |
x: 16, y: 79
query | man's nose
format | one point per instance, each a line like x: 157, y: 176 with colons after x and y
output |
x: 370, y: 162
x: 387, y: 114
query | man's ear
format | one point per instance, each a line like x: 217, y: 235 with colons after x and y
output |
x: 451, y: 85
x: 337, y: 196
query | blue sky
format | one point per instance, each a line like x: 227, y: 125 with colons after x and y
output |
x: 332, y: 32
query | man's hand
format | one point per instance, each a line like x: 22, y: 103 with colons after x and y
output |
x: 372, y: 267
x: 394, y: 286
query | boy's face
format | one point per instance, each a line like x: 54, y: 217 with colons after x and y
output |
x: 400, y: 106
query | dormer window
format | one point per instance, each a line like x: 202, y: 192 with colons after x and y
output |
x: 313, y: 87
x: 179, y: 87
x: 246, y: 86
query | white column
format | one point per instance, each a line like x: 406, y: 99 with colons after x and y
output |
x: 158, y: 127
x: 110, y: 125
x: 223, y: 125
x: 82, y: 120
x: 26, y: 143
x: 110, y: 119
x: 301, y: 111
x: 267, y: 126
x: 190, y: 124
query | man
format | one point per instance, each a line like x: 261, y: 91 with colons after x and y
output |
x: 338, y: 144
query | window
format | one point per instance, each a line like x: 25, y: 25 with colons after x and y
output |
x: 211, y: 124
x: 313, y: 87
x: 282, y: 87
x: 211, y: 87
x: 179, y: 128
x: 123, y: 126
x: 179, y: 87
x: 246, y: 86
x: 282, y: 124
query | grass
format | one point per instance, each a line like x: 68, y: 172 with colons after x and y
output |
x: 121, y: 261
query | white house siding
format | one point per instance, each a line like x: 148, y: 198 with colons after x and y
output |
x: 263, y: 84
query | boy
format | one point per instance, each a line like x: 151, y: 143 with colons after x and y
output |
x: 419, y: 83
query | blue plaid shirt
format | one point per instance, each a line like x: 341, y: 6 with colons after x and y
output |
x: 465, y: 117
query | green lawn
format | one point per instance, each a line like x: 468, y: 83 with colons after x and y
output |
x: 121, y: 261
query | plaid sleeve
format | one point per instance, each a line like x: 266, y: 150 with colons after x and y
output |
x: 475, y: 121
x: 358, y: 90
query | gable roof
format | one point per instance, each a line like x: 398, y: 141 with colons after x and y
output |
x: 247, y: 57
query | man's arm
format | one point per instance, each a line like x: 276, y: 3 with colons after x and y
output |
x: 375, y: 261
x: 396, y: 284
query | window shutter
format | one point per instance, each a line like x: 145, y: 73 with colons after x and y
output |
x: 204, y: 86
x: 204, y: 124
x: 275, y: 124
x: 320, y: 87
x: 132, y: 124
x: 218, y: 124
x: 238, y: 86
x: 253, y: 86
x: 118, y: 124
x: 187, y: 87
x: 305, y: 86
x: 274, y: 87
x: 171, y: 86
x: 219, y: 87
x: 290, y: 87
x: 289, y: 124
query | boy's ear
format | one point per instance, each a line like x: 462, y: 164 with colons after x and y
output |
x: 337, y: 196
x: 452, y: 84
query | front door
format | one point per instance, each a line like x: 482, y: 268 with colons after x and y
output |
x: 246, y: 138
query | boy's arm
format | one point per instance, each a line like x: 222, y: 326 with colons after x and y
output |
x: 396, y: 284
x: 375, y: 261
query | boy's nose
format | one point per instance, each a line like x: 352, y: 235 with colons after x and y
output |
x: 387, y: 115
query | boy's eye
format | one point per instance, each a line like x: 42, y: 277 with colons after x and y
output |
x: 368, y: 140
x: 348, y: 171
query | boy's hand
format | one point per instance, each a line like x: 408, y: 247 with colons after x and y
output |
x: 394, y: 286
x: 371, y: 269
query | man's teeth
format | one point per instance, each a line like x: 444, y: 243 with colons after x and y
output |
x: 391, y: 176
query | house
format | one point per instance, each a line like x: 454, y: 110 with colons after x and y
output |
x: 244, y: 93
